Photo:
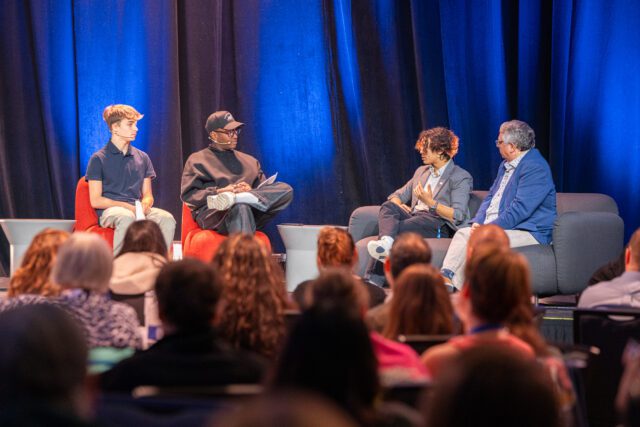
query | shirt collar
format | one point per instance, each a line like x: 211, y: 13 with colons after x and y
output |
x: 438, y: 172
x: 115, y: 150
x: 509, y: 166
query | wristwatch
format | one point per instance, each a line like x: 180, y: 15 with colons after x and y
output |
x: 433, y: 209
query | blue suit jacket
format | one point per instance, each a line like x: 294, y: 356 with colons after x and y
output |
x: 529, y: 200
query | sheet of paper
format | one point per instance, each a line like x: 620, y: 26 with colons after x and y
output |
x: 269, y: 180
x: 139, y: 211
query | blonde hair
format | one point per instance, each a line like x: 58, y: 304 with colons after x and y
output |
x: 114, y: 113
x: 84, y: 261
x: 33, y: 275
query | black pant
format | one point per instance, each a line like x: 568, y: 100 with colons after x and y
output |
x: 393, y: 220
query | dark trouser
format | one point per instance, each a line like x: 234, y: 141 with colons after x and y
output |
x: 246, y: 218
x: 393, y: 220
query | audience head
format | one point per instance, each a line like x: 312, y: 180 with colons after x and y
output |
x: 440, y: 141
x: 632, y: 253
x: 493, y: 386
x: 293, y: 409
x: 113, y: 114
x: 336, y: 286
x: 407, y: 249
x: 187, y: 293
x: 329, y: 353
x: 335, y: 248
x: 420, y: 304
x: 144, y: 236
x: 43, y: 357
x: 33, y: 276
x: 251, y: 310
x: 487, y: 234
x: 84, y: 261
x: 497, y: 281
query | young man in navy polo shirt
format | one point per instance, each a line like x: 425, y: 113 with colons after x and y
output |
x: 119, y: 175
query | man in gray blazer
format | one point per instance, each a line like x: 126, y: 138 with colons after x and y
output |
x: 434, y: 203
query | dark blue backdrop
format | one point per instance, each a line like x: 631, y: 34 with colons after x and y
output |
x: 333, y: 92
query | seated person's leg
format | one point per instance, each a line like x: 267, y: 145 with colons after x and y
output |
x: 238, y: 219
x: 519, y: 238
x: 119, y: 219
x: 166, y: 222
x: 454, y: 260
x: 389, y: 219
x: 426, y: 225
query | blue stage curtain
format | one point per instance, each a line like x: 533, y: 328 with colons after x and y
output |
x: 333, y: 92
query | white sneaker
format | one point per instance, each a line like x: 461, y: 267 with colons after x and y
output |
x: 379, y: 249
x: 222, y: 201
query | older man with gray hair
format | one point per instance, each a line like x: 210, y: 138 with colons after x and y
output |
x: 522, y: 199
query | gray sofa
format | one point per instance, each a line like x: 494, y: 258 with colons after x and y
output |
x: 587, y: 233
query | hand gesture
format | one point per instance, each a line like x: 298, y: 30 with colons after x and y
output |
x: 425, y: 196
x: 241, y: 187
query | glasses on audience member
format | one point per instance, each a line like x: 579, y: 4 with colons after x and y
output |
x: 499, y: 142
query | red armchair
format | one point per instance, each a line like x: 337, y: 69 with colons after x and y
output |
x: 86, y: 217
x: 203, y: 244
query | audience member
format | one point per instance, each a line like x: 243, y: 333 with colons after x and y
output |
x: 286, y: 410
x: 623, y: 290
x: 337, y: 249
x: 497, y: 282
x: 254, y: 298
x: 491, y: 386
x: 43, y: 359
x: 397, y: 362
x: 407, y: 249
x: 191, y: 353
x: 136, y: 267
x: 83, y: 269
x: 608, y: 271
x: 31, y: 282
x: 420, y: 304
x: 329, y: 353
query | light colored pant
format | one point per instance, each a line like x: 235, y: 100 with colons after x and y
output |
x: 456, y: 257
x: 120, y: 219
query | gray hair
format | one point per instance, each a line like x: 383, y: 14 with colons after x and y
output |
x: 519, y: 134
x: 84, y: 261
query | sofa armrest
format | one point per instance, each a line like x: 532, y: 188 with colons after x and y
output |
x: 364, y: 222
x: 582, y: 242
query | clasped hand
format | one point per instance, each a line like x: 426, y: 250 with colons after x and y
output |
x: 240, y: 187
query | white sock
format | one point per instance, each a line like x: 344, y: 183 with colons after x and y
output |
x: 246, y: 197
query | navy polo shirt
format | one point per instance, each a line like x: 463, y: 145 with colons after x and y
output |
x: 121, y: 174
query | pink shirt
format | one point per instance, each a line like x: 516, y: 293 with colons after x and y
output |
x: 397, y: 362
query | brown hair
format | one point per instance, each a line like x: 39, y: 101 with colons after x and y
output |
x: 498, y: 281
x: 253, y: 300
x: 337, y: 286
x: 420, y: 304
x: 440, y: 140
x: 335, y: 247
x: 144, y: 236
x: 33, y: 275
x: 114, y: 113
x: 408, y: 249
x: 500, y: 287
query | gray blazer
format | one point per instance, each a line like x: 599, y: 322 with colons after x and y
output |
x: 453, y: 190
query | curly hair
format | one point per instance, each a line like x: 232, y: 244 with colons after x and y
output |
x: 335, y: 247
x: 33, y: 275
x: 440, y: 140
x: 253, y: 301
x: 420, y: 304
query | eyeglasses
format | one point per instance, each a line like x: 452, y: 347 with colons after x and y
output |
x: 230, y: 133
x: 499, y: 142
